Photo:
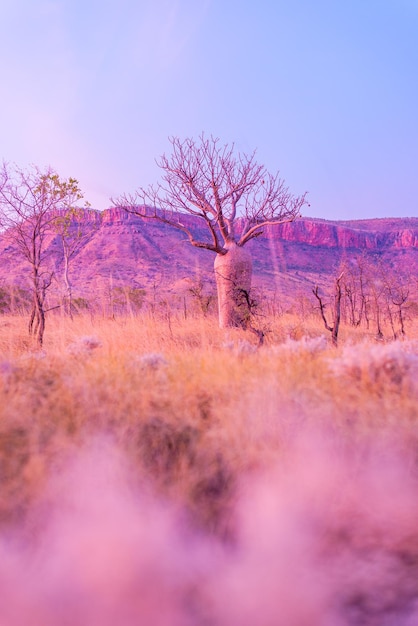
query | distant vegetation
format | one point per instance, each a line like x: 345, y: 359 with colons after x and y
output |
x: 376, y: 297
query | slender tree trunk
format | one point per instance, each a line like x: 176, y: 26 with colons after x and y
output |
x: 337, y: 312
x: 401, y: 320
x: 69, y: 248
x: 37, y: 319
x: 68, y: 299
x: 233, y: 272
x: 379, y: 332
x: 32, y: 318
x: 40, y: 322
x: 391, y: 320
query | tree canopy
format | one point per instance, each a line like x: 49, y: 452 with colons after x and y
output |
x: 234, y: 195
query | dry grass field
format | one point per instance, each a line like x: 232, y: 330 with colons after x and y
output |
x: 160, y: 471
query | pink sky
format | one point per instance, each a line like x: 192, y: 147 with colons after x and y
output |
x: 325, y: 91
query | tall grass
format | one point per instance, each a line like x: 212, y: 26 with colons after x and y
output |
x: 158, y: 470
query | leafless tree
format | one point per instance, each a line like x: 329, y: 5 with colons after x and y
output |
x: 200, y: 294
x: 334, y: 329
x: 232, y: 195
x: 354, y: 303
x: 357, y: 274
x: 30, y: 201
x: 377, y: 289
x: 400, y: 298
x: 397, y: 294
x: 363, y: 280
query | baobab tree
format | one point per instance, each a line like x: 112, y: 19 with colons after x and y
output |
x: 233, y: 196
x: 31, y: 202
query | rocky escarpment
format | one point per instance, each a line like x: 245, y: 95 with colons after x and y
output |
x: 122, y: 249
x: 354, y: 235
x: 370, y: 235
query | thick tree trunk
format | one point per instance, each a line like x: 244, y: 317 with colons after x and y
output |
x: 233, y: 272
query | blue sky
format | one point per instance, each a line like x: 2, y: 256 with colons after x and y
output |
x: 325, y: 90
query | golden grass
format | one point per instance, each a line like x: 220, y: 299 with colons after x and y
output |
x: 206, y: 402
x: 198, y: 413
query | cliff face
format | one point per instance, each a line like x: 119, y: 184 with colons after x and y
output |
x: 121, y: 249
x: 333, y: 235
x: 361, y: 234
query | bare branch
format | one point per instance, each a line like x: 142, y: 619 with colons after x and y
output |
x: 208, y: 180
x: 231, y: 194
x: 173, y: 220
x: 315, y: 292
x: 337, y: 309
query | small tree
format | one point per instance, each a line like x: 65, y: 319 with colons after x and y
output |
x: 397, y: 293
x: 201, y: 295
x: 30, y: 203
x: 233, y: 197
x: 334, y: 329
x: 352, y: 294
x: 70, y: 227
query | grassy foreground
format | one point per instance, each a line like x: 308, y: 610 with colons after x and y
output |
x: 161, y: 471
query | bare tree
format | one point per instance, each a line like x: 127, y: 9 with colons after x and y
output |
x: 334, y: 329
x: 400, y: 298
x: 232, y: 195
x: 397, y: 294
x: 377, y: 292
x: 354, y: 303
x: 203, y: 297
x: 30, y: 202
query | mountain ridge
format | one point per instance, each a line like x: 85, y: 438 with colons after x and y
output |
x: 122, y: 249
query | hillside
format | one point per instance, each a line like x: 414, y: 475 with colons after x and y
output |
x: 122, y: 250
